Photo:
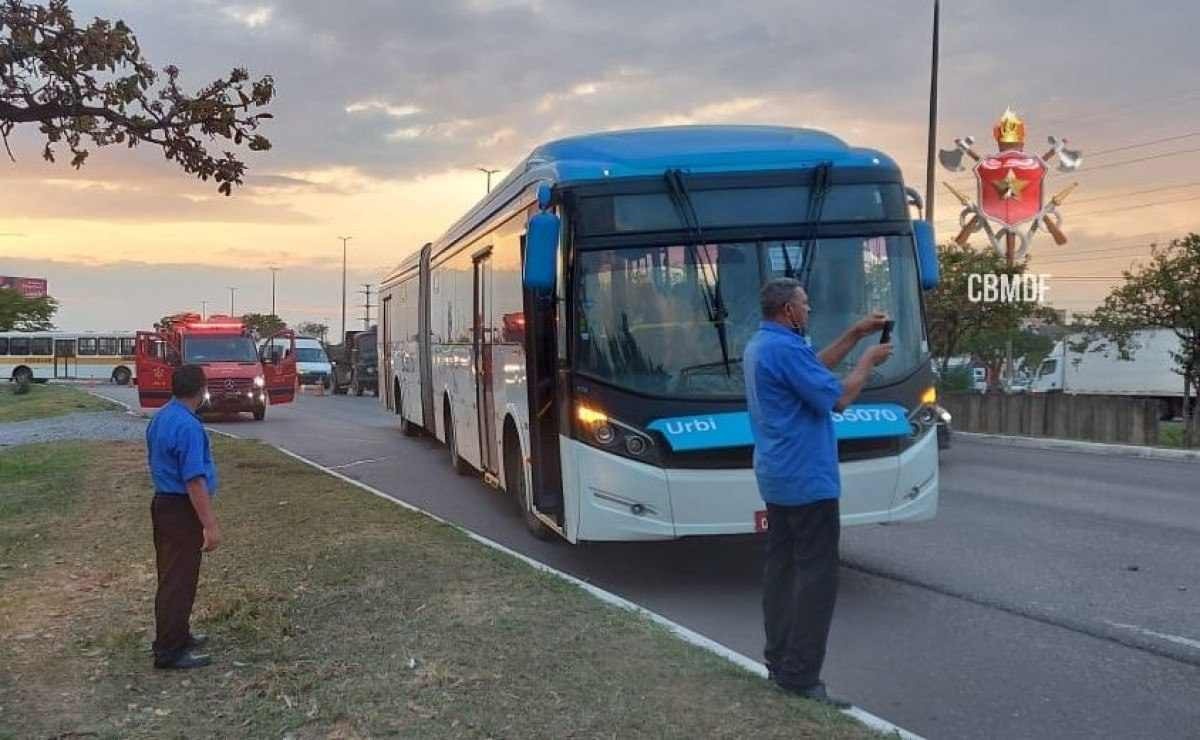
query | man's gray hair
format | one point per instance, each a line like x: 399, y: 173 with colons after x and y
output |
x: 776, y: 294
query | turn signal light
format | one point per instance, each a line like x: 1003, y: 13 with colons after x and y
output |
x: 929, y: 397
x: 589, y: 415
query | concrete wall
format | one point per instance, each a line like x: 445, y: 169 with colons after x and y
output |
x: 1118, y: 419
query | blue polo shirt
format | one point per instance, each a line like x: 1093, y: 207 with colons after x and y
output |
x: 791, y: 394
x: 177, y: 450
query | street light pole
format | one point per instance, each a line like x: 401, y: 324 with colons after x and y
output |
x: 933, y: 106
x: 273, y: 271
x: 203, y: 309
x: 489, y: 174
x: 344, y: 240
x: 232, y: 290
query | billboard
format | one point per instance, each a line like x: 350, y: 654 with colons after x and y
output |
x: 26, y: 286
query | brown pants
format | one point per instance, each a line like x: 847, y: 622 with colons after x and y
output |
x: 178, y: 537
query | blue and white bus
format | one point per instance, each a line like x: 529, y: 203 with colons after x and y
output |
x: 576, y: 338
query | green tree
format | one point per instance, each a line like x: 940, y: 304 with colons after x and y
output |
x: 18, y: 313
x: 991, y: 347
x: 89, y: 86
x: 313, y: 329
x: 264, y: 324
x: 958, y: 324
x: 1164, y: 294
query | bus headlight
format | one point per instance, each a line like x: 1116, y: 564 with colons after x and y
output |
x: 596, y: 428
x: 259, y: 381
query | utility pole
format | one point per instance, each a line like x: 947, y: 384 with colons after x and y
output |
x: 203, y: 309
x: 366, y: 292
x: 273, y: 271
x: 489, y: 174
x: 232, y: 290
x: 344, y: 240
x: 933, y: 107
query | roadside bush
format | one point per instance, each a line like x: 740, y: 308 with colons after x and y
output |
x: 955, y: 380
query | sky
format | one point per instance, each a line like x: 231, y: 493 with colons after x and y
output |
x: 385, y: 110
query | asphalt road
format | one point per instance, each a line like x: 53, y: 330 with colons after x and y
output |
x: 1056, y: 595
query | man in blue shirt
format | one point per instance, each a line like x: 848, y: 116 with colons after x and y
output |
x: 791, y: 393
x: 185, y: 479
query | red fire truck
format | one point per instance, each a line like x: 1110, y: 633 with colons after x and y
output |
x: 239, y: 377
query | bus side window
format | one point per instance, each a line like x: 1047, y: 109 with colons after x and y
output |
x: 127, y: 346
x: 108, y: 346
x: 86, y: 346
x: 18, y: 346
x: 42, y: 346
x: 3, y: 345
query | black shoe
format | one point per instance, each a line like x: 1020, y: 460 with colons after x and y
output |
x: 816, y: 693
x: 196, y: 641
x: 183, y: 661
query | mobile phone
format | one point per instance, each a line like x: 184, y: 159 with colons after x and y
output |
x: 886, y: 335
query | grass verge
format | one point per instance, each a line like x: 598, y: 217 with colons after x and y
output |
x: 47, y: 399
x: 333, y: 615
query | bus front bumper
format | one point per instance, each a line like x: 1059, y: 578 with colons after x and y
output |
x: 617, y: 499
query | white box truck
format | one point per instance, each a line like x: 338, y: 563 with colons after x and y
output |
x: 1150, y: 372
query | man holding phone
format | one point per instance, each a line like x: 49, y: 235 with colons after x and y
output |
x: 791, y: 394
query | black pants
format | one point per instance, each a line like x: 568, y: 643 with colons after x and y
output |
x: 799, y: 589
x: 178, y: 537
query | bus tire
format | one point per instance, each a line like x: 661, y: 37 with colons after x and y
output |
x: 22, y: 375
x: 122, y: 376
x: 514, y: 481
x: 407, y: 427
x: 457, y: 464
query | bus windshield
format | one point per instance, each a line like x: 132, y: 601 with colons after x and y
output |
x: 201, y: 349
x: 673, y: 321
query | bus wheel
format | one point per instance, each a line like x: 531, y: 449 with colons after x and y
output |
x: 121, y: 376
x: 457, y: 464
x: 22, y: 376
x: 514, y: 478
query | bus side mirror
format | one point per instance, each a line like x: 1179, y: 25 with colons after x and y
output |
x: 541, y: 245
x: 927, y: 257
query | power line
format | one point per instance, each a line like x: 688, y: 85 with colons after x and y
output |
x: 1137, y: 192
x: 1164, y: 140
x: 1140, y: 206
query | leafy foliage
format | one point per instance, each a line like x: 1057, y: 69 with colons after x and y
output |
x: 313, y: 329
x: 89, y: 86
x: 1164, y: 294
x: 18, y: 313
x: 264, y: 324
x: 957, y: 324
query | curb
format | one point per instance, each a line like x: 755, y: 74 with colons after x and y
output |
x: 678, y: 630
x: 1094, y: 448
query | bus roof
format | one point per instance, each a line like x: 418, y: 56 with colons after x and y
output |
x: 652, y: 151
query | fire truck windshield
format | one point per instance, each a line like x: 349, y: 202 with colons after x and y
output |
x: 202, y: 349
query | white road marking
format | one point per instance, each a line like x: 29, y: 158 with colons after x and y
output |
x: 357, y: 462
x: 695, y: 638
x: 1188, y: 642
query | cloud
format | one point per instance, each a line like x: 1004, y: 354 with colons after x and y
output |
x: 251, y: 16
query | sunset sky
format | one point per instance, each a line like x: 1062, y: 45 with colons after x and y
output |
x: 385, y: 109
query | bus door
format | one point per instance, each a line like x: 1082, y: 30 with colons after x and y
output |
x: 384, y: 386
x: 485, y: 398
x: 425, y: 342
x: 66, y: 364
x: 153, y: 370
x: 279, y: 367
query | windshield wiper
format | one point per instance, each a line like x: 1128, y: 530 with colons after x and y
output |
x: 816, y: 205
x: 677, y: 189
